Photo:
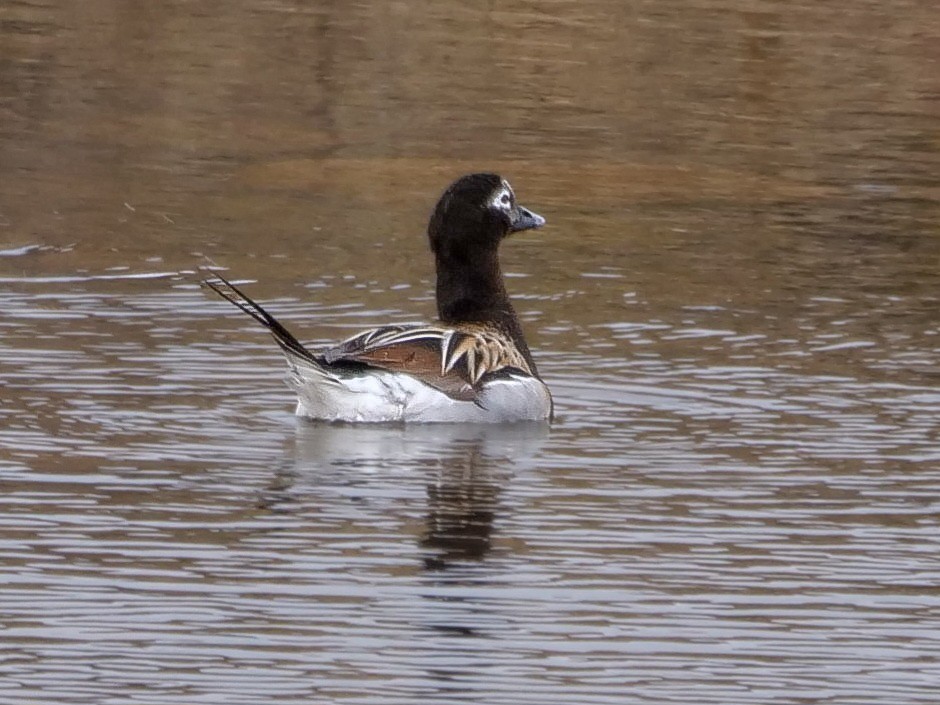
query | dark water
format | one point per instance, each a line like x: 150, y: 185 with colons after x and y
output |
x: 735, y: 303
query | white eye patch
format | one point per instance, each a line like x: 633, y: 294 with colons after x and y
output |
x: 502, y: 198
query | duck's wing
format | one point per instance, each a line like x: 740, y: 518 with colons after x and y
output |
x: 453, y: 360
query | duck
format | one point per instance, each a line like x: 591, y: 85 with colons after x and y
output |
x: 471, y: 366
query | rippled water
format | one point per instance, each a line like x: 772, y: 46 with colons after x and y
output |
x: 735, y: 304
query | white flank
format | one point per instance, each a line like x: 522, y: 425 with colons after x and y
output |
x: 381, y: 396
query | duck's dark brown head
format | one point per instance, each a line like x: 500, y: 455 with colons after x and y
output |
x: 474, y: 214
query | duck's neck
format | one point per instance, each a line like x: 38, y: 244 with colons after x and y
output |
x: 470, y: 289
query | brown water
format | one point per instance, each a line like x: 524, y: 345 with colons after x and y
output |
x: 736, y: 304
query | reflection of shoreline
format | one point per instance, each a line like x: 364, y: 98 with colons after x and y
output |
x: 464, y: 468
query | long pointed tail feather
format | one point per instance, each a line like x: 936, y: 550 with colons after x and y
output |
x: 231, y: 293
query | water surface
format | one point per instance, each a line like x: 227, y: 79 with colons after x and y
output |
x: 735, y: 304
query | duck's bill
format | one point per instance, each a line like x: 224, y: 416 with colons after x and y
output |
x: 524, y: 219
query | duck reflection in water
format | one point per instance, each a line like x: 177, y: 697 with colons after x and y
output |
x: 378, y: 470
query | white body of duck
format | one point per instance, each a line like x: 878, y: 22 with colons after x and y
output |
x: 383, y: 396
x: 472, y: 367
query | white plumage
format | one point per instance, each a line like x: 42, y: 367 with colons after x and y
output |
x: 382, y: 396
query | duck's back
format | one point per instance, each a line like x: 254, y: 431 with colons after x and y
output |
x: 423, y: 374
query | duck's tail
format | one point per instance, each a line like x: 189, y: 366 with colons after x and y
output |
x: 323, y: 391
x: 301, y: 360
